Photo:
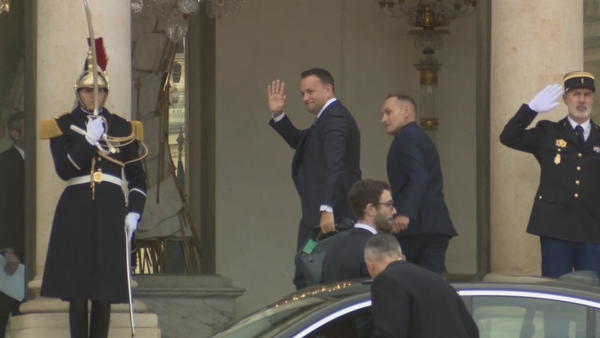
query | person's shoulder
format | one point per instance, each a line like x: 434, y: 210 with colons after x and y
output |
x: 409, y: 134
x: 54, y: 127
x: 547, y: 124
x: 119, y: 120
x: 5, y: 154
x: 336, y: 108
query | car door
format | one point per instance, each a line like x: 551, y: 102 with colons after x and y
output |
x: 355, y: 321
x: 529, y: 314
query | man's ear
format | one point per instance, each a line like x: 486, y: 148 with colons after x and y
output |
x: 403, y: 257
x: 329, y: 89
x: 370, y: 209
x: 369, y: 265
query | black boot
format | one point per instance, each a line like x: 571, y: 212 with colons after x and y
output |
x: 78, y: 318
x: 100, y: 321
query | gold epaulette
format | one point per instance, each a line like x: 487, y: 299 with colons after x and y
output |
x: 138, y: 130
x: 49, y: 128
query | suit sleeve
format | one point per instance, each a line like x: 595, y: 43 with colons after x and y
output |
x: 468, y: 322
x: 333, y: 139
x: 286, y: 129
x: 136, y: 178
x: 516, y: 135
x: 412, y: 184
x: 391, y: 308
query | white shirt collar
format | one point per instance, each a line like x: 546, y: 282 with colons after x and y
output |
x: 326, y: 105
x: 21, y: 151
x: 366, y: 227
x: 585, y: 125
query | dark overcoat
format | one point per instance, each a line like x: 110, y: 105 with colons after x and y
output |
x: 12, y: 202
x: 86, y: 254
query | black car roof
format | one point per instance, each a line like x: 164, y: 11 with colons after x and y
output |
x: 577, y: 286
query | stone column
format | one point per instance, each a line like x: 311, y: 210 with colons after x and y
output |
x: 61, y: 51
x: 533, y: 44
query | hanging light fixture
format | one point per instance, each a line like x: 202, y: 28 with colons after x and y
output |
x: 4, y: 6
x: 175, y: 12
x: 429, y: 15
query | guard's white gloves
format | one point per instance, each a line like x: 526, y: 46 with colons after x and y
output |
x: 131, y: 223
x: 95, y: 129
x: 545, y: 100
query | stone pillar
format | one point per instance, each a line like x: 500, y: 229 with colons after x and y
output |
x: 61, y: 51
x: 533, y: 44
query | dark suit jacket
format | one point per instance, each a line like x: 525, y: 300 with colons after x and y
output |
x: 346, y: 259
x: 326, y: 162
x: 12, y: 201
x: 409, y: 301
x: 567, y: 203
x: 413, y: 168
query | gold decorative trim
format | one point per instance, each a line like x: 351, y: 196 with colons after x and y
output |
x: 49, y: 129
x: 578, y: 74
x: 430, y: 123
x: 138, y: 130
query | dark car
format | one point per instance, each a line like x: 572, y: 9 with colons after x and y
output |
x: 522, y: 307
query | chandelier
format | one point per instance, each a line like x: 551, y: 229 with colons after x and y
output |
x: 4, y: 6
x: 175, y: 12
x: 428, y: 15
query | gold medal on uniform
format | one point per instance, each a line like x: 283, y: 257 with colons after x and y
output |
x: 557, y: 159
x: 561, y: 144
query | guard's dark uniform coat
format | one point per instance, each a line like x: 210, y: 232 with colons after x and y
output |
x: 86, y: 255
x: 567, y: 203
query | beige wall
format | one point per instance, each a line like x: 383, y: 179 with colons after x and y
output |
x: 369, y: 56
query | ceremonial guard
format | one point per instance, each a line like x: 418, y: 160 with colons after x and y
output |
x: 566, y: 209
x: 94, y: 219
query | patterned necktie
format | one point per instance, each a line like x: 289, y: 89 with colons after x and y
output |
x: 579, y: 130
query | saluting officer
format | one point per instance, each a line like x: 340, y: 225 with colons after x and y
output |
x: 87, y: 252
x: 566, y: 210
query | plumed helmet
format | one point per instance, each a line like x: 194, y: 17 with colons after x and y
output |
x: 86, y: 78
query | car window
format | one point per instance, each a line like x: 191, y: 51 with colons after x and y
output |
x: 356, y: 324
x: 528, y: 317
x: 273, y: 319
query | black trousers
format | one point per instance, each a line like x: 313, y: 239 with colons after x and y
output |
x: 99, y: 318
x: 426, y: 251
x: 8, y: 306
x: 303, y: 234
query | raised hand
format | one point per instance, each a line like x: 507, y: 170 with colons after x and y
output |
x: 545, y: 100
x: 276, y: 93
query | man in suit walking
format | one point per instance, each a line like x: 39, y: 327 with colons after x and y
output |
x: 371, y: 202
x: 566, y: 208
x: 409, y: 301
x: 327, y: 158
x: 12, y: 211
x: 422, y: 222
